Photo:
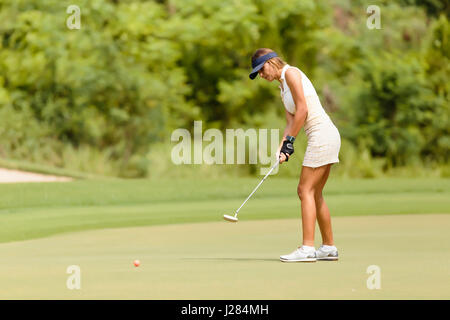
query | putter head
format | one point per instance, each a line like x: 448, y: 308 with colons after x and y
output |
x: 230, y: 218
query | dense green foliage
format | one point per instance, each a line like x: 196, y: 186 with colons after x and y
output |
x: 105, y: 98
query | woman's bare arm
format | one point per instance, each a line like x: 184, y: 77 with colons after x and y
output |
x: 289, y: 121
x: 294, y: 81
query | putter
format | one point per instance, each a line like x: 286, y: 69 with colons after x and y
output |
x: 234, y: 218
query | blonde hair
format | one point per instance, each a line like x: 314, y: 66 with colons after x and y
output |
x: 277, y: 61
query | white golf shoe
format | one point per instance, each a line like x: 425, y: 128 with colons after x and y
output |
x: 301, y: 254
x: 327, y: 253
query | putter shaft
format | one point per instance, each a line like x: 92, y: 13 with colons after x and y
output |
x: 268, y: 173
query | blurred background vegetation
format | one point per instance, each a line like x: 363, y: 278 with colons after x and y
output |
x: 105, y: 99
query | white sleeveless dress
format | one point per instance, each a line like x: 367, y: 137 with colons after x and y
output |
x: 324, y: 141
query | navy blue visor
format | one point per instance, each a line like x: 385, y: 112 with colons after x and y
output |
x: 258, y: 63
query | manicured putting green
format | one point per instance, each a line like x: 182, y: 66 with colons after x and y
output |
x: 219, y: 260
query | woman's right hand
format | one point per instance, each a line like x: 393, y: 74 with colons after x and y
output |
x: 282, y: 158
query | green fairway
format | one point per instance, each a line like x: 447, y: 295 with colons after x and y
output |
x: 43, y: 209
x: 234, y: 261
x: 187, y: 251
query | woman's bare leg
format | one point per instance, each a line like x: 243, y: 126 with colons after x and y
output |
x: 322, y: 211
x: 310, y: 179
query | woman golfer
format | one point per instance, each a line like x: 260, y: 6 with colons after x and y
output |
x: 303, y: 109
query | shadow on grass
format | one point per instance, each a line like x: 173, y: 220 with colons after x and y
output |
x: 250, y: 259
x: 231, y: 259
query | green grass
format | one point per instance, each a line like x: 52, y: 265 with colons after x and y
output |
x: 35, y: 210
x: 220, y: 260
x: 103, y: 225
x: 46, y: 169
x: 142, y: 191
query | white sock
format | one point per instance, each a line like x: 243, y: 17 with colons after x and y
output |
x: 328, y: 247
x: 308, y: 248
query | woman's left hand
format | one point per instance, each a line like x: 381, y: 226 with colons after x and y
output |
x: 287, y: 149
